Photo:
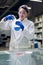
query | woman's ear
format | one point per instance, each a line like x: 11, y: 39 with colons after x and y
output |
x: 28, y: 15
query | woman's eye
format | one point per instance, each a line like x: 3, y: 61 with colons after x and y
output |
x: 23, y: 12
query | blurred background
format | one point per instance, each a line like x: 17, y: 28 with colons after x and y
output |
x: 36, y: 15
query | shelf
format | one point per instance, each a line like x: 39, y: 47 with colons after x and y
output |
x: 39, y: 26
x: 38, y: 18
x: 38, y: 39
x: 37, y: 22
x: 38, y: 29
x: 38, y: 32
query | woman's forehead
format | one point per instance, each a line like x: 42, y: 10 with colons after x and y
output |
x: 22, y: 10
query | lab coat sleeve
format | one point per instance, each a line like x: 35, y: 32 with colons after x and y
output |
x: 29, y: 32
x: 4, y: 24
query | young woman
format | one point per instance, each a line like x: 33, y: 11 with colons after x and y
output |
x: 22, y: 29
x: 22, y: 34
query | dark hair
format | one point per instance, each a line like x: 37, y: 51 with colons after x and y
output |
x: 25, y: 7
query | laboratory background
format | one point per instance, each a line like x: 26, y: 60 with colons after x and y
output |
x: 35, y: 50
x: 10, y: 7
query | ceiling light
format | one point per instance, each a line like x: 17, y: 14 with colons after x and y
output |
x: 36, y: 0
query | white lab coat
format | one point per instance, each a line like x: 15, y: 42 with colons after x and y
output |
x: 19, y: 39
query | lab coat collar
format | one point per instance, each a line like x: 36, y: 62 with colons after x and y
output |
x: 23, y: 20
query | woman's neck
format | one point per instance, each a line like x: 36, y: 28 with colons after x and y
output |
x: 22, y: 19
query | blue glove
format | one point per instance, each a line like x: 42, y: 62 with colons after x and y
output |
x: 10, y: 17
x: 21, y: 26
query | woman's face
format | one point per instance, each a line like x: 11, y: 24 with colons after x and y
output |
x: 22, y: 14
